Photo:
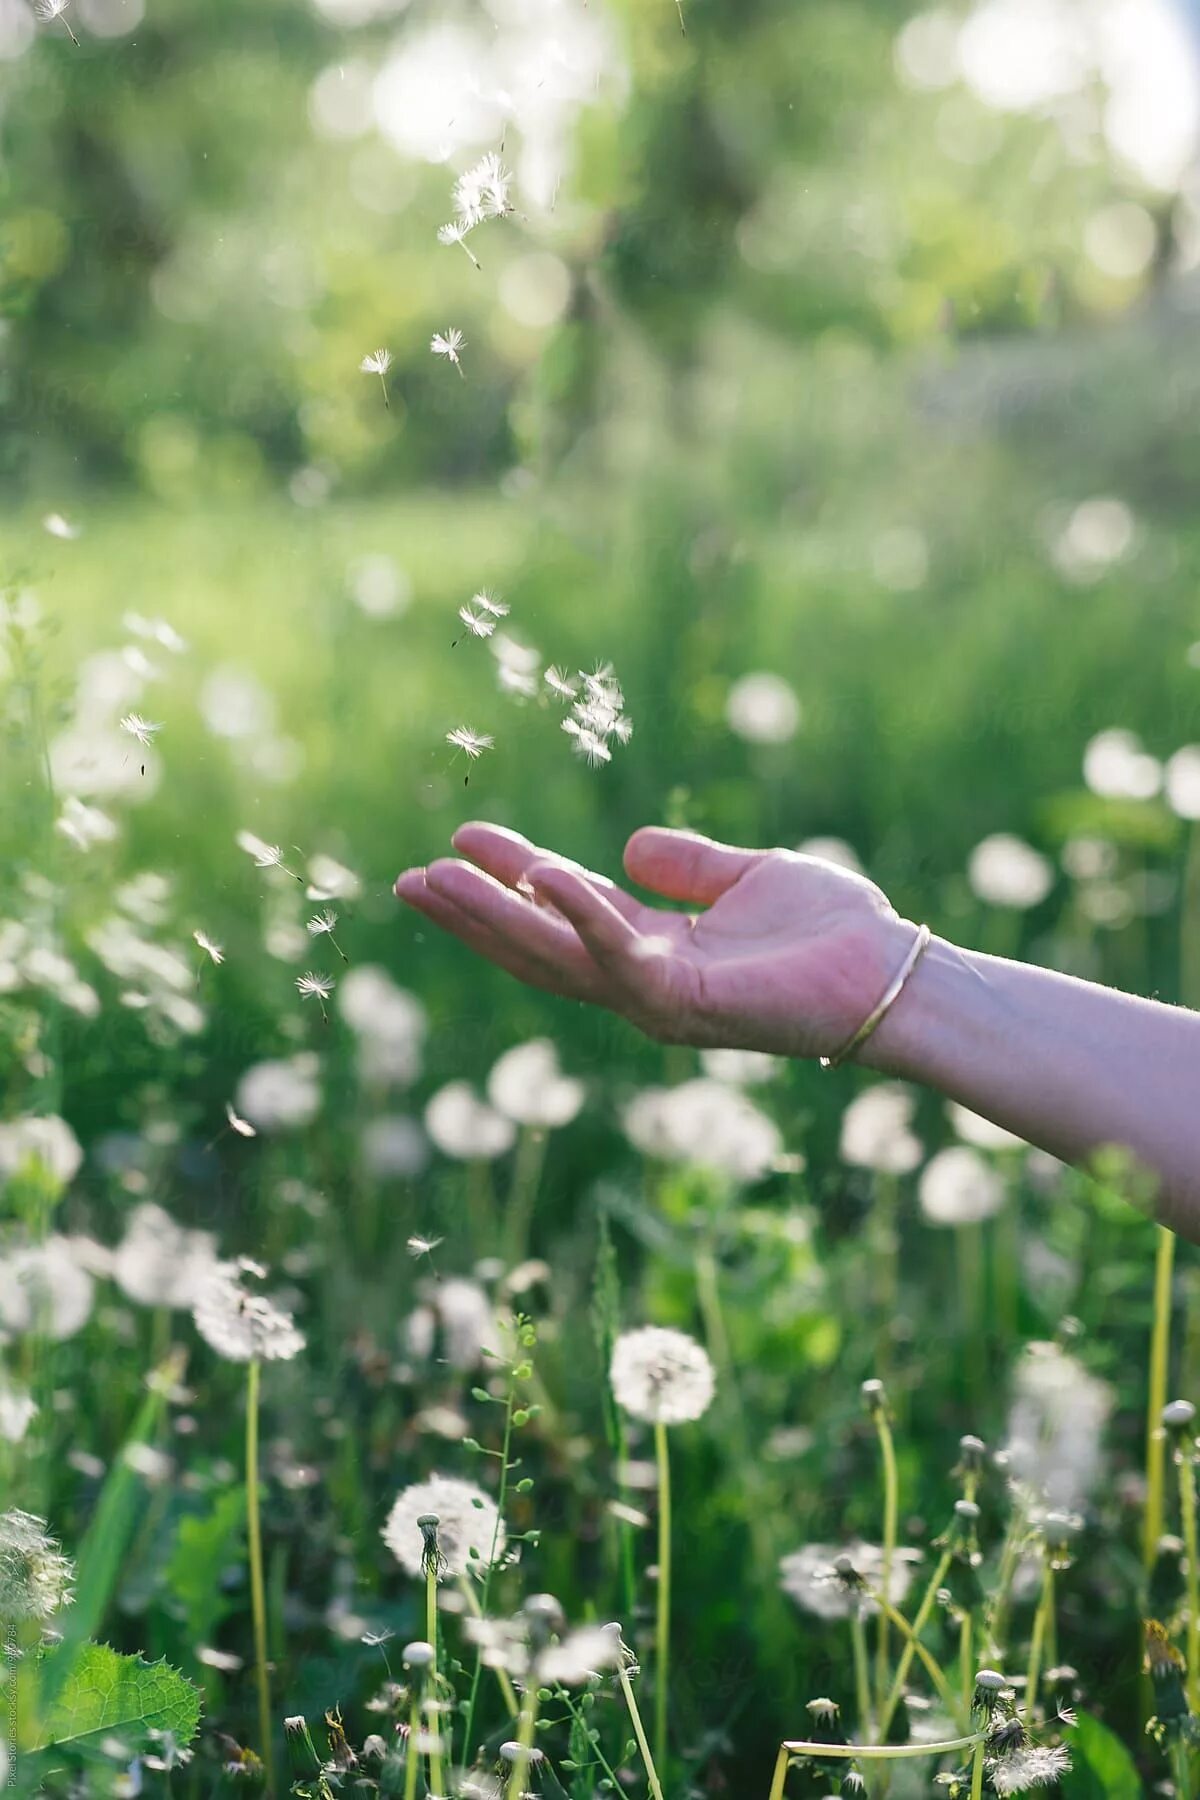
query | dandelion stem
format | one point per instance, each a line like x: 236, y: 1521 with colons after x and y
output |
x: 505, y: 1449
x: 522, y: 1198
x: 910, y: 1647
x: 433, y: 1726
x: 977, y: 1768
x: 1187, y: 1513
x: 780, y: 1775
x: 934, y: 1669
x: 663, y: 1637
x: 862, y: 1676
x: 966, y: 1674
x: 1044, y: 1614
x: 383, y: 385
x: 882, y: 1752
x: 410, y: 1749
x: 887, y: 1450
x: 257, y: 1599
x: 639, y: 1732
x: 516, y: 1780
x: 1160, y: 1344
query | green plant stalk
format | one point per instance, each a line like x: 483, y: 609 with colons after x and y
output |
x: 257, y: 1595
x: 1160, y: 1344
x: 502, y: 1675
x: 966, y: 1674
x: 1187, y: 1513
x: 501, y: 1496
x: 522, y: 1196
x: 516, y: 1780
x: 934, y: 1669
x: 663, y: 1626
x: 411, y: 1757
x: 977, y: 1768
x: 972, y: 1299
x: 431, y: 1614
x: 1183, y: 1770
x: 1001, y: 1593
x: 579, y: 1718
x: 862, y: 1674
x: 883, y: 1752
x: 437, y: 1786
x: 891, y: 1505
x: 1042, y: 1623
x: 780, y: 1775
x: 910, y: 1648
x: 708, y: 1296
x: 639, y: 1732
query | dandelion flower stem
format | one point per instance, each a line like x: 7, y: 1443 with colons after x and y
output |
x: 411, y: 1756
x: 639, y: 1732
x: 383, y: 385
x: 977, y: 1768
x: 431, y: 1611
x: 1160, y: 1344
x: 437, y: 1786
x: 881, y: 1752
x: 887, y: 1450
x: 932, y: 1667
x: 1187, y: 1513
x: 966, y: 1673
x: 904, y: 1662
x: 1044, y: 1613
x: 780, y: 1776
x: 516, y: 1780
x: 257, y: 1599
x: 862, y: 1676
x: 663, y: 1638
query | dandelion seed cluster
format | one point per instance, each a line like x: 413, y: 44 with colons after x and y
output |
x: 661, y: 1376
x: 35, y: 1577
x: 470, y: 1531
x: 241, y: 1325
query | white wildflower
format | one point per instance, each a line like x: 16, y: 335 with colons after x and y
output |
x: 811, y: 1577
x: 527, y: 1085
x: 44, y: 1288
x: 763, y: 709
x: 465, y: 1127
x: 467, y: 1319
x: 160, y: 1263
x: 241, y: 1325
x: 877, y: 1130
x: 1055, y: 1425
x: 389, y: 1023
x: 661, y: 1376
x: 706, y: 1124
x: 46, y: 1142
x: 959, y: 1187
x: 1003, y: 870
x: 280, y: 1095
x: 469, y: 1533
x: 35, y: 1577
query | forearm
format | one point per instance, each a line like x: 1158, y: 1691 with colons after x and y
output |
x: 1066, y: 1064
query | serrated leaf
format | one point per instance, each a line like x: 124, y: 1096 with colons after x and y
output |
x: 203, y: 1548
x: 1101, y: 1766
x: 105, y: 1691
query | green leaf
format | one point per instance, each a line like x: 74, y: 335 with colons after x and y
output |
x: 204, y: 1546
x: 104, y: 1691
x: 1101, y: 1766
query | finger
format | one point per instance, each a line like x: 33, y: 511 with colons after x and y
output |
x: 530, y: 929
x: 611, y: 939
x: 412, y: 889
x: 509, y: 857
x: 685, y: 866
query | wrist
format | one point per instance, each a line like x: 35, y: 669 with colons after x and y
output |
x: 914, y: 1039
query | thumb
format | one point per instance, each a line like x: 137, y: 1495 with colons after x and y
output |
x: 685, y: 866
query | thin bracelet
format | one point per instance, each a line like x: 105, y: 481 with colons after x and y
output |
x: 920, y: 944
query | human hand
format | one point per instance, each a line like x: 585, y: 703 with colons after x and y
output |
x: 789, y: 953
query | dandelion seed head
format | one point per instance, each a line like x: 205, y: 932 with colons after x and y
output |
x: 1036, y: 1765
x: 465, y: 1127
x: 812, y: 1578
x: 958, y: 1186
x: 661, y: 1375
x: 578, y: 1656
x: 706, y: 1124
x: 239, y: 1324
x: 160, y: 1263
x: 46, y: 1287
x: 35, y: 1577
x: 877, y: 1130
x: 1003, y: 870
x: 528, y: 1086
x: 470, y: 1531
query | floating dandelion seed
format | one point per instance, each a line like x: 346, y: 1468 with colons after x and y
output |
x: 561, y: 685
x: 423, y: 1246
x: 478, y: 624
x: 448, y: 344
x: 378, y: 363
x: 54, y: 522
x: 243, y: 1127
x: 491, y: 603
x: 456, y: 233
x: 266, y: 856
x: 49, y: 10
x: 317, y: 987
x: 483, y: 192
x: 141, y: 729
x: 471, y: 743
x: 213, y: 951
x: 324, y: 924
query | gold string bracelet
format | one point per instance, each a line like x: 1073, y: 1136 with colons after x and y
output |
x: 919, y: 946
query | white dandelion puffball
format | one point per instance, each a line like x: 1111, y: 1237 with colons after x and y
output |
x: 959, y: 1187
x: 1183, y: 782
x: 810, y: 1577
x: 465, y: 1127
x: 35, y: 1577
x: 45, y: 1288
x: 1004, y: 870
x: 280, y: 1095
x: 1117, y: 766
x: 661, y: 1376
x: 240, y: 1325
x: 470, y: 1531
x: 877, y: 1130
x: 48, y: 1141
x: 578, y: 1656
x: 1056, y: 1425
x: 763, y: 709
x: 1034, y: 1766
x: 528, y: 1086
x: 160, y: 1263
x: 707, y: 1124
x: 394, y: 1148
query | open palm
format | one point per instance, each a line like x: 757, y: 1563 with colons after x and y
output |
x: 788, y: 954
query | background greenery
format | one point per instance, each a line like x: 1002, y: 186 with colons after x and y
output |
x: 821, y: 399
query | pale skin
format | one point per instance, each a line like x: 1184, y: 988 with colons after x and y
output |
x: 774, y: 950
